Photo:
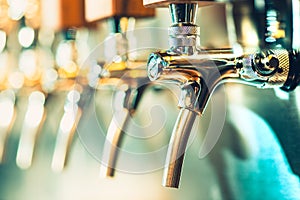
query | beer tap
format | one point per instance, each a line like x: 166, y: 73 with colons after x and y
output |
x: 198, y: 72
x: 34, y: 118
x: 66, y: 23
x: 32, y: 71
x: 67, y: 69
x: 275, y: 24
x: 32, y: 79
x: 128, y: 77
x: 129, y: 82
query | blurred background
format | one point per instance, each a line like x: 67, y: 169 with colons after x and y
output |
x: 54, y: 118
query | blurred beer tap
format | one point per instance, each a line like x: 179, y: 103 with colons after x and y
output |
x: 23, y: 81
x: 35, y: 77
x: 130, y: 81
x: 68, y: 68
x: 67, y: 23
x: 33, y: 121
x: 32, y: 72
x: 199, y: 71
x: 127, y: 77
x: 275, y: 24
x: 66, y: 130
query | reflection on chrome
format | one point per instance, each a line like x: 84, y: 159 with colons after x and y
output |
x: 28, y: 64
x: 198, y: 72
x: 26, y: 36
x: 130, y: 80
x: 112, y: 143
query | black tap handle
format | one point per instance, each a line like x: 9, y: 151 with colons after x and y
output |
x: 293, y: 79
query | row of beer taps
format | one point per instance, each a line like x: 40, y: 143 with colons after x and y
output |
x: 195, y: 70
x: 33, y: 68
x: 48, y: 63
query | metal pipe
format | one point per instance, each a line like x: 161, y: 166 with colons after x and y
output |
x: 114, y: 137
x: 198, y: 72
x: 131, y: 85
x: 125, y: 104
x: 183, y: 12
x: 177, y: 147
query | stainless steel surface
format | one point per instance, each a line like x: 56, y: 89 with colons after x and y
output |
x: 130, y: 81
x: 184, y: 34
x: 124, y: 107
x: 202, y: 73
x: 198, y: 77
x: 177, y: 149
x: 125, y: 102
x: 183, y: 13
x: 113, y: 141
x: 203, y: 70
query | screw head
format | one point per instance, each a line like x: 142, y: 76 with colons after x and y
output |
x: 155, y: 65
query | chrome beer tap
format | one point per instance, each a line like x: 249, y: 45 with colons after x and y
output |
x: 276, y: 24
x: 130, y: 81
x: 67, y: 23
x: 31, y: 71
x: 66, y: 59
x: 198, y: 72
x: 72, y: 84
x: 127, y: 77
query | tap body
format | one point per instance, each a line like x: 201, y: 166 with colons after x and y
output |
x: 126, y: 100
x: 130, y: 85
x: 198, y: 72
x: 67, y: 70
x: 199, y: 75
x: 129, y: 80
